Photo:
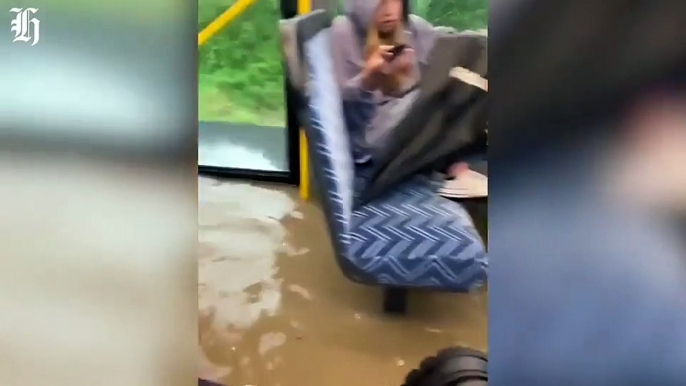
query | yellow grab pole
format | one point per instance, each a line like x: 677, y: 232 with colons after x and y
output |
x: 236, y: 9
x: 304, y: 6
x: 304, y: 167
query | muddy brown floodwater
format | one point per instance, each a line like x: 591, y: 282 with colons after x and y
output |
x: 275, y: 310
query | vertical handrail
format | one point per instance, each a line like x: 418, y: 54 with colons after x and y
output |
x: 222, y: 20
x: 304, y: 6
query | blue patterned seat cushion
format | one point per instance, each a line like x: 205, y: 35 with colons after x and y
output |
x: 412, y: 237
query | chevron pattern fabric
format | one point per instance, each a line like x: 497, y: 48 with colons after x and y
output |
x: 330, y: 137
x: 411, y: 237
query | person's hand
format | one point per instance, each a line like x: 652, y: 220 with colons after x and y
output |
x: 457, y: 169
x: 404, y: 62
x: 377, y: 65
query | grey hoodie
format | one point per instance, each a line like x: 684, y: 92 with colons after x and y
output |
x: 371, y: 116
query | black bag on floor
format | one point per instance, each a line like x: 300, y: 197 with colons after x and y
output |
x: 455, y: 366
x: 202, y: 382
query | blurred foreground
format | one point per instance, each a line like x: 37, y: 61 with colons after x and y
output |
x: 95, y: 280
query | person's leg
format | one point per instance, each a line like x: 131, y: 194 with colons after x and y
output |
x: 466, y: 76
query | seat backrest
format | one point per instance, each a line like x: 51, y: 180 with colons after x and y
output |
x: 329, y: 142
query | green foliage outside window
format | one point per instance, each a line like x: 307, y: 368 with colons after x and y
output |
x: 240, y: 73
x: 240, y: 70
x: 458, y: 14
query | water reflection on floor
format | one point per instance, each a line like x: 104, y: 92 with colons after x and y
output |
x: 275, y: 309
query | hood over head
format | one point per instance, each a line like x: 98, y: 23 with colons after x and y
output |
x: 361, y: 12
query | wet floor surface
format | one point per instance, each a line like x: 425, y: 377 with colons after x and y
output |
x: 275, y: 310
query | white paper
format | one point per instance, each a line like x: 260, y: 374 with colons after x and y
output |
x: 469, y: 184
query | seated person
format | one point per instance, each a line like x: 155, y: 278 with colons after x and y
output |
x: 378, y: 87
x: 375, y: 88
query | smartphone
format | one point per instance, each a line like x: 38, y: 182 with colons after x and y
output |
x: 397, y: 50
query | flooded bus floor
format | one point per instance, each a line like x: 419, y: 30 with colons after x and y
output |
x: 275, y: 310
